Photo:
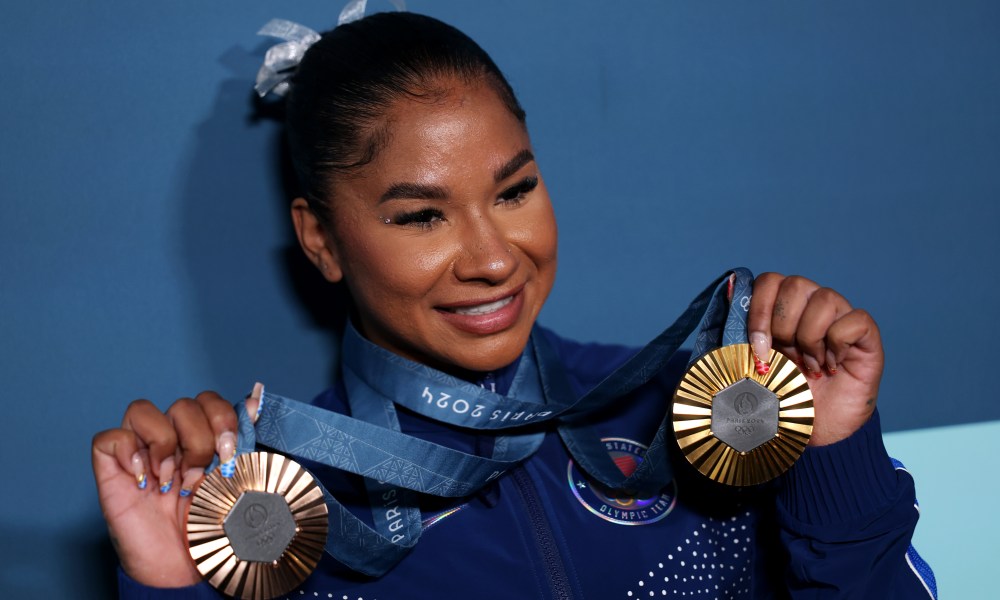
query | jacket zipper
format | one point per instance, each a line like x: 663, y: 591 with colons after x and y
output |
x: 544, y: 539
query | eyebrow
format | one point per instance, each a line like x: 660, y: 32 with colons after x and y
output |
x: 513, y: 165
x: 419, y: 191
x: 415, y: 191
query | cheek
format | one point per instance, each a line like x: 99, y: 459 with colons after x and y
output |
x: 549, y: 235
x: 539, y: 237
x: 427, y: 261
x: 387, y: 268
x: 545, y: 232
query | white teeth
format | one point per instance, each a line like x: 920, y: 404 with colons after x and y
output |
x: 484, y: 309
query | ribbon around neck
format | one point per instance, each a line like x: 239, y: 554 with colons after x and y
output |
x: 395, y: 465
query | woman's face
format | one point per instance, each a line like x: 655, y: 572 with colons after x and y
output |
x: 447, y: 240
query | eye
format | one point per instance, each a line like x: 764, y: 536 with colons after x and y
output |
x: 424, y: 219
x: 516, y: 193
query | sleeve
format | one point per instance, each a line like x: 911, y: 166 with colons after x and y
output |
x: 847, y: 514
x: 130, y: 589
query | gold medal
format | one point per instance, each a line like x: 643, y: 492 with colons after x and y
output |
x: 260, y: 533
x: 737, y: 426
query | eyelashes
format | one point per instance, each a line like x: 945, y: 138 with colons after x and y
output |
x: 519, y: 190
x: 427, y: 218
x: 423, y: 218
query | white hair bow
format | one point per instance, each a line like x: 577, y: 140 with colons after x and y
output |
x: 282, y: 59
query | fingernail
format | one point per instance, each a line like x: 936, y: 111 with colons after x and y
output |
x: 831, y: 363
x: 166, y: 474
x: 762, y: 367
x: 258, y: 395
x: 811, y: 374
x: 760, y: 346
x: 191, y: 477
x: 139, y: 470
x: 812, y: 367
x: 226, y: 449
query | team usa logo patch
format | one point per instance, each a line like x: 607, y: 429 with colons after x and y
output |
x: 618, y: 508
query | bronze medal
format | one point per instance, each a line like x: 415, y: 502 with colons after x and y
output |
x: 737, y: 426
x: 260, y: 533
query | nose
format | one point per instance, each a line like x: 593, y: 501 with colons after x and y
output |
x: 486, y: 254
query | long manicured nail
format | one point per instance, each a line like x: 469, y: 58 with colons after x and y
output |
x: 226, y: 449
x: 166, y: 474
x: 257, y: 395
x: 139, y: 470
x: 762, y: 367
x: 831, y: 363
x: 761, y: 351
x: 191, y: 477
x: 812, y: 367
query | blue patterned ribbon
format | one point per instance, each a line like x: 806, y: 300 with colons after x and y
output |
x: 394, y: 464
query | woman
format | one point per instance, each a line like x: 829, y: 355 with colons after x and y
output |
x: 422, y: 195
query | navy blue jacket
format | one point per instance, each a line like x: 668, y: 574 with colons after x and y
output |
x: 837, y: 525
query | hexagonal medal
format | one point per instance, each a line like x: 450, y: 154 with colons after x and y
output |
x: 737, y: 426
x: 260, y: 533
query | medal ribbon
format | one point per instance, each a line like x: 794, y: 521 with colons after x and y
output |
x: 370, y: 444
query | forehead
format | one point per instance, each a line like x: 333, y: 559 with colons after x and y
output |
x: 456, y: 128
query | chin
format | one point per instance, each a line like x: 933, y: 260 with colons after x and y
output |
x: 488, y: 355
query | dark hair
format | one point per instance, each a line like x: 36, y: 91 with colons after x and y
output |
x: 349, y: 78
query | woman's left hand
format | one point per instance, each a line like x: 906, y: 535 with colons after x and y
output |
x: 838, y: 348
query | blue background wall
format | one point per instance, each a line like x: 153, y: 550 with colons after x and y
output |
x: 145, y: 252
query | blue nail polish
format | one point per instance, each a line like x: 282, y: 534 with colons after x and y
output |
x: 185, y: 493
x: 165, y: 487
x: 142, y: 481
x: 228, y: 468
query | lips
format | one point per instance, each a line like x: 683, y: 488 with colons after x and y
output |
x: 484, y: 317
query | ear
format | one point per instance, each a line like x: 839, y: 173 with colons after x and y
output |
x: 315, y: 241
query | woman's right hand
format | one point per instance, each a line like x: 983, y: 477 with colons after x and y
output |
x: 145, y: 472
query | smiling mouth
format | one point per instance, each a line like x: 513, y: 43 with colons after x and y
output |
x: 485, y: 318
x: 482, y: 309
